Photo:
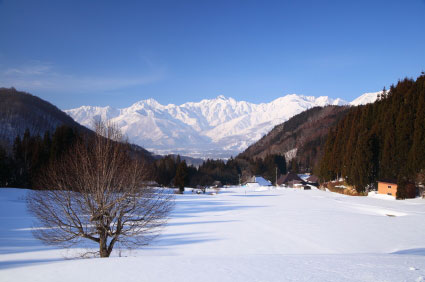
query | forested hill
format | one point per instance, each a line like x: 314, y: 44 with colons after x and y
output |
x: 301, y: 137
x: 33, y: 133
x: 20, y: 111
x: 384, y: 140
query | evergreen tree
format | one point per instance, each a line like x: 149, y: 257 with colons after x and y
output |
x: 365, y: 163
x: 348, y: 148
x: 165, y: 170
x: 325, y: 167
x: 294, y: 165
x: 180, y: 180
x: 386, y: 139
x: 20, y: 173
x: 5, y: 168
x: 272, y: 165
x: 417, y: 152
x: 405, y: 188
x: 62, y: 140
x: 46, y: 148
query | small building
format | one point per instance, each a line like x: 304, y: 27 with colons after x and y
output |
x: 295, y: 184
x: 387, y: 187
x: 313, y: 180
x: 258, y: 181
x: 217, y: 184
x: 289, y: 178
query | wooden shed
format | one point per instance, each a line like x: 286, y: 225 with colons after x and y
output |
x: 387, y: 187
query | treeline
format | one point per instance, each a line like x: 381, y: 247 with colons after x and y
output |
x: 170, y: 170
x: 270, y: 167
x: 383, y: 140
x: 31, y: 154
x: 302, y: 138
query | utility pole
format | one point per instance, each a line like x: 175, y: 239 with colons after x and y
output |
x: 276, y: 177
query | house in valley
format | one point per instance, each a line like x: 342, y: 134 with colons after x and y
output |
x: 313, y: 180
x: 258, y: 181
x: 387, y: 187
x: 296, y: 184
x: 290, y: 179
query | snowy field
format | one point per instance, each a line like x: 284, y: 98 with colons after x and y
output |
x: 269, y: 235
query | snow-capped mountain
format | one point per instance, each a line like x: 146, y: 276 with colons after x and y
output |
x: 366, y: 98
x: 216, y: 128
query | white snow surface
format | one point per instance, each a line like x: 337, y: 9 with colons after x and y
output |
x: 240, y: 235
x: 366, y: 98
x: 218, y: 127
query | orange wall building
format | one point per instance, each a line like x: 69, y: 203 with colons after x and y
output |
x: 387, y: 188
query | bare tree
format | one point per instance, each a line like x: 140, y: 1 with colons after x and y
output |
x: 96, y: 192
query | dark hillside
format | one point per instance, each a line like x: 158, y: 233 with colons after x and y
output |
x: 34, y: 133
x: 385, y: 139
x: 306, y: 133
x: 20, y: 111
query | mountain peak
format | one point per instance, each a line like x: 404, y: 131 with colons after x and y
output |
x: 225, y: 99
x: 151, y: 102
x: 215, y: 128
x: 366, y: 98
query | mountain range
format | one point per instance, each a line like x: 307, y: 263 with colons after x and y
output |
x: 214, y: 128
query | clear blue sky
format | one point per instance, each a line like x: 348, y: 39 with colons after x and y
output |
x: 75, y: 53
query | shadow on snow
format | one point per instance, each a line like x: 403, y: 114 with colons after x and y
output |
x: 16, y: 236
x: 416, y: 252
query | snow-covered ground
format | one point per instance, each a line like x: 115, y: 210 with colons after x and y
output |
x: 239, y: 235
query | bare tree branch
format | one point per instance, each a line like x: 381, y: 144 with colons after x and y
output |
x: 96, y: 192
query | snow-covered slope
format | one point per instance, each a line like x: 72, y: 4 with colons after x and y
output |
x: 270, y: 235
x: 218, y: 127
x: 365, y: 99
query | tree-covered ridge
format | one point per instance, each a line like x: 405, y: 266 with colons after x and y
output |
x: 31, y: 154
x: 20, y: 111
x: 32, y: 133
x: 383, y: 140
x: 305, y: 132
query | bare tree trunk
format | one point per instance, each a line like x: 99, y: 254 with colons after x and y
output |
x: 96, y: 192
x: 103, y: 249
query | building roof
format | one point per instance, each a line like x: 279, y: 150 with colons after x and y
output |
x: 284, y: 179
x: 313, y: 178
x: 388, y: 180
x: 260, y: 180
